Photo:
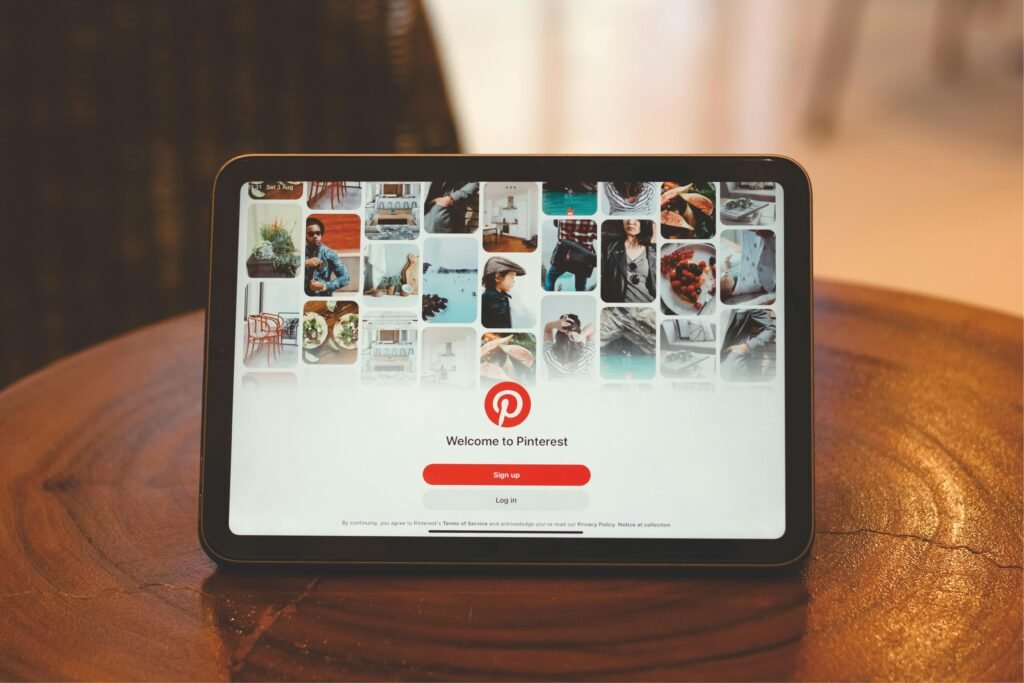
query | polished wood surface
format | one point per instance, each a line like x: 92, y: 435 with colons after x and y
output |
x: 915, y: 571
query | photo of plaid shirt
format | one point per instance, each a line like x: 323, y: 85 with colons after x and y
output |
x: 580, y: 231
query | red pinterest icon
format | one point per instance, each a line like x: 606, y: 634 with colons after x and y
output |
x: 507, y: 404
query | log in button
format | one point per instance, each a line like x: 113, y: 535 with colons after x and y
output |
x: 444, y: 474
x: 506, y: 500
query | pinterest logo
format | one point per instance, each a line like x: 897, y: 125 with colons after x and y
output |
x: 507, y: 404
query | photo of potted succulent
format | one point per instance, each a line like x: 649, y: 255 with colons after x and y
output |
x: 276, y: 249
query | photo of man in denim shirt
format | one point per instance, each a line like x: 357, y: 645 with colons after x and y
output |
x: 324, y: 270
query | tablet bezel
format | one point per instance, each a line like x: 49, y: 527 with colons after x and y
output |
x: 228, y: 548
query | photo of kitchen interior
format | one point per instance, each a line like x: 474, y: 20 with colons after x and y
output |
x: 450, y: 357
x: 393, y: 211
x: 510, y: 217
x: 270, y: 325
x: 388, y: 341
x: 334, y: 195
x: 747, y: 203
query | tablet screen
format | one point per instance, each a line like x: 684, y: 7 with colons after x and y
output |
x: 440, y: 358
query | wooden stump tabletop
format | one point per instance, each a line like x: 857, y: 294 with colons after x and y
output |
x: 915, y: 571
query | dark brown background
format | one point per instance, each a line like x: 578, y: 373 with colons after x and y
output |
x: 115, y: 117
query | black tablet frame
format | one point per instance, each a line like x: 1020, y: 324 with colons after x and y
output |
x: 218, y: 382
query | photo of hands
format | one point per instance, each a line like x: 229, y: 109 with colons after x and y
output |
x: 569, y: 345
x: 451, y: 207
x: 748, y: 346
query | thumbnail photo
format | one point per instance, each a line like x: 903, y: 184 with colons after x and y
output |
x: 450, y: 357
x: 273, y: 238
x: 688, y: 348
x: 509, y: 296
x: 451, y: 207
x: 450, y: 280
x: 334, y: 195
x: 687, y: 210
x: 748, y: 267
x: 393, y: 211
x: 510, y: 217
x: 748, y: 347
x: 628, y: 340
x: 569, y: 199
x: 749, y: 204
x: 568, y: 345
x: 688, y: 279
x: 392, y: 276
x: 270, y: 325
x: 629, y: 261
x: 331, y: 257
x: 569, y: 256
x: 330, y: 332
x: 628, y: 197
x: 507, y: 358
x: 388, y: 345
x: 275, y: 189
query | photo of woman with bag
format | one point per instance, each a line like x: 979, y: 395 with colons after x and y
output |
x: 572, y: 253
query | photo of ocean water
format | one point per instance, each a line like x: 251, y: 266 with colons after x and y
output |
x: 460, y: 289
x: 622, y: 366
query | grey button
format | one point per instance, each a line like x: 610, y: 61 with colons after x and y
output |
x: 505, y: 499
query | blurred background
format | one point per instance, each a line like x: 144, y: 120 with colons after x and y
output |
x: 907, y: 114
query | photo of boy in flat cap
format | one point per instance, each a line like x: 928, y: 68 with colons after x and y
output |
x: 496, y: 303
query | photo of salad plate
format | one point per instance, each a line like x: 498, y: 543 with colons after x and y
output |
x: 314, y: 330
x: 346, y: 331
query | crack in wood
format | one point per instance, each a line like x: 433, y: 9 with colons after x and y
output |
x: 984, y: 554
x: 266, y: 620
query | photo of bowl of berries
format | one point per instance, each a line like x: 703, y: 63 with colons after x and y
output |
x: 688, y: 279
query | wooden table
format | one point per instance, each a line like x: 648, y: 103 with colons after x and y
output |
x: 915, y: 572
x: 395, y: 217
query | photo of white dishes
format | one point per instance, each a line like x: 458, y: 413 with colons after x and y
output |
x: 346, y: 331
x: 688, y: 279
x: 314, y: 330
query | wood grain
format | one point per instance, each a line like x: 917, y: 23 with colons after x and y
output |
x: 915, y: 573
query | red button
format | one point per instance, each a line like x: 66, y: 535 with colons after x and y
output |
x: 506, y: 475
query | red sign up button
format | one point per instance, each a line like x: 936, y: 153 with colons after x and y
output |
x: 506, y: 475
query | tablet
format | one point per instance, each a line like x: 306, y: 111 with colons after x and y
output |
x: 554, y: 360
